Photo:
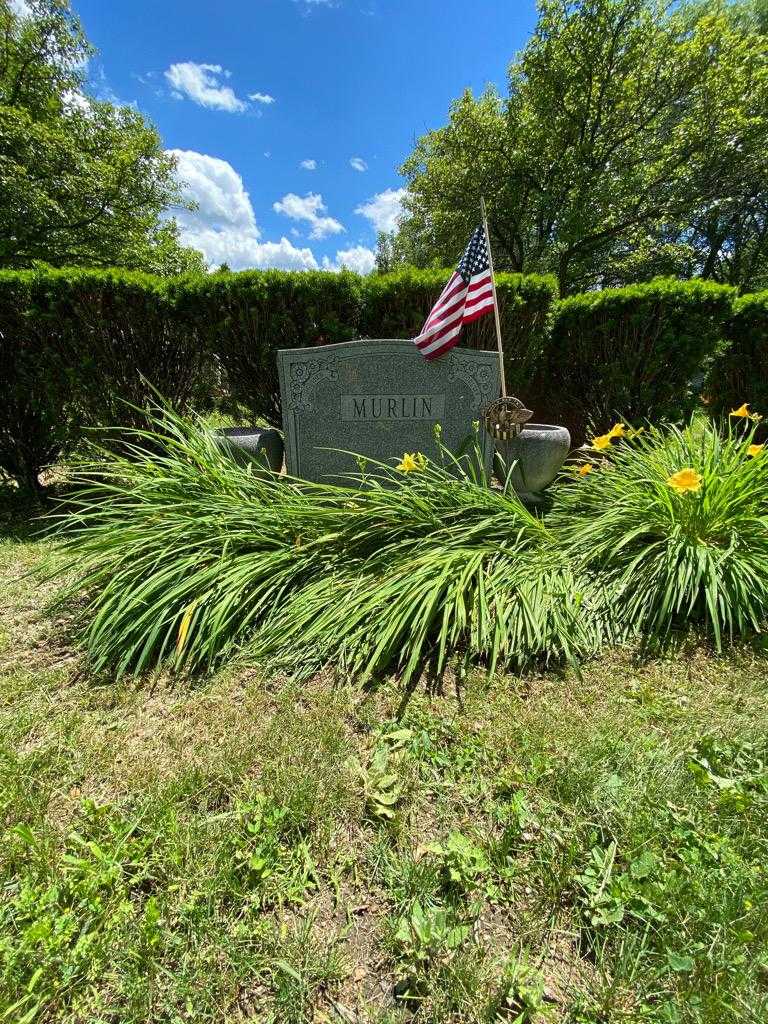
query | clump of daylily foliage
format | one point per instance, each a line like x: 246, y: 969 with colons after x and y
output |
x: 187, y: 558
x: 674, y: 523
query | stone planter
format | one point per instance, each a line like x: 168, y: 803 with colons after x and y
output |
x: 252, y: 444
x: 538, y: 452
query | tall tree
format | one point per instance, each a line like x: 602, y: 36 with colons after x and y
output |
x: 82, y: 182
x: 630, y: 138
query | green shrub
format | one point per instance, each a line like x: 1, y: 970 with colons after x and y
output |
x: 121, y: 337
x: 640, y: 351
x: 740, y: 373
x: 396, y: 306
x: 185, y: 556
x: 91, y: 341
x: 669, y: 556
x: 438, y: 565
x: 245, y: 318
x: 36, y: 386
x: 86, y: 348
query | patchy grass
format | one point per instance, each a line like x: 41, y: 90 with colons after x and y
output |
x: 572, y: 849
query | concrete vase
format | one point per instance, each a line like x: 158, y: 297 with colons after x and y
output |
x: 253, y: 444
x: 538, y: 451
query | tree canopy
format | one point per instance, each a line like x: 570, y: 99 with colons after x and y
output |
x: 631, y: 143
x: 82, y: 182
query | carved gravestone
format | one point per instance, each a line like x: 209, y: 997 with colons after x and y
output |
x: 379, y: 399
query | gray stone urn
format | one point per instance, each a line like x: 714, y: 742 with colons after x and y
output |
x: 254, y: 444
x: 538, y: 451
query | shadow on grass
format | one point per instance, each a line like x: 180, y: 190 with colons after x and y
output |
x: 22, y: 514
x: 27, y: 517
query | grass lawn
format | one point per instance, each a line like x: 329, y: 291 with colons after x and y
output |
x: 558, y: 848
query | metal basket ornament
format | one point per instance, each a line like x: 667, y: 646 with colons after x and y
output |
x: 504, y: 418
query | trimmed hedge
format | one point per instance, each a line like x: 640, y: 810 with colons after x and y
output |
x: 84, y: 348
x: 123, y: 334
x: 244, y: 318
x: 76, y: 345
x: 740, y: 373
x: 37, y: 420
x: 638, y: 352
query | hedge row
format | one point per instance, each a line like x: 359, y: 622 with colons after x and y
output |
x: 637, y: 352
x: 76, y: 346
x: 741, y: 372
x: 244, y: 318
x: 83, y: 349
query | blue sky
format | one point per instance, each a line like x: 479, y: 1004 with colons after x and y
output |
x: 290, y: 117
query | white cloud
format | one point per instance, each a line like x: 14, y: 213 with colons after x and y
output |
x: 283, y: 255
x: 261, y: 97
x: 309, y: 165
x: 200, y: 83
x: 217, y: 188
x: 358, y: 258
x: 224, y: 225
x: 309, y: 209
x: 384, y: 209
x: 358, y: 163
x: 21, y: 8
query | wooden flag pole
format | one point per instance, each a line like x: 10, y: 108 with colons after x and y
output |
x: 495, y: 300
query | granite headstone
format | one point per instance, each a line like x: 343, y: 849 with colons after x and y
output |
x: 379, y: 398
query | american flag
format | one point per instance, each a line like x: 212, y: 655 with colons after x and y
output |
x: 467, y: 296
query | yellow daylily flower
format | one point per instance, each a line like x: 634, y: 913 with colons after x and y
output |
x: 602, y: 442
x: 585, y: 469
x: 754, y: 450
x: 685, y: 480
x: 742, y: 412
x: 617, y: 430
x: 410, y: 463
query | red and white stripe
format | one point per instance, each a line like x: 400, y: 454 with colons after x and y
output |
x: 459, y: 303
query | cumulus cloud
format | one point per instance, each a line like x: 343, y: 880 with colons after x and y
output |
x: 202, y: 84
x: 217, y: 188
x: 261, y: 97
x: 357, y: 258
x: 309, y: 165
x: 283, y: 255
x: 310, y: 208
x: 358, y: 163
x: 224, y: 226
x: 384, y: 210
